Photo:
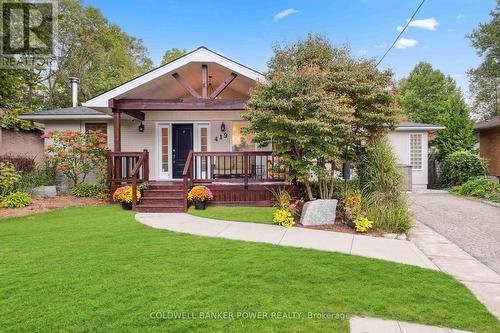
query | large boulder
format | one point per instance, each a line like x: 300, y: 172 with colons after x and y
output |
x: 319, y: 212
x: 44, y: 191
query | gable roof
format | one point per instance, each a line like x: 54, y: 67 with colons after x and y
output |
x: 201, y: 54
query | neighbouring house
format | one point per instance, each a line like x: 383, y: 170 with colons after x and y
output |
x: 180, y: 124
x: 22, y: 142
x: 488, y: 132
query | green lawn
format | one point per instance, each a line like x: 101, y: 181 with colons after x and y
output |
x: 242, y: 214
x: 97, y: 269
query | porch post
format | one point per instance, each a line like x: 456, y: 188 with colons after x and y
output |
x: 117, y: 130
x: 117, y: 141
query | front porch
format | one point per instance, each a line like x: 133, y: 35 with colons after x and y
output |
x: 235, y: 178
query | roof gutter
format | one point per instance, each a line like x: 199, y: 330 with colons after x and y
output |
x: 64, y: 116
x: 417, y: 128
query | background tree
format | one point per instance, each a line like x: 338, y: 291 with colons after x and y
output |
x: 172, y: 54
x: 485, y: 79
x: 458, y: 132
x: 92, y: 49
x: 425, y: 93
x: 316, y: 99
x: 428, y: 96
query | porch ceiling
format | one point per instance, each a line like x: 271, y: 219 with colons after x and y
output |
x: 167, y: 87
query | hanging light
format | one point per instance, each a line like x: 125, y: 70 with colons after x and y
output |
x: 141, y: 127
x: 223, y: 127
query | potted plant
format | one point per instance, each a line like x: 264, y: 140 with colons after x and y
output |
x: 124, y: 195
x: 200, y: 195
x: 143, y: 187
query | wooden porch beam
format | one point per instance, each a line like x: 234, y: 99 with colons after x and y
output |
x: 136, y: 114
x: 186, y: 85
x: 204, y: 81
x: 180, y: 104
x: 224, y: 85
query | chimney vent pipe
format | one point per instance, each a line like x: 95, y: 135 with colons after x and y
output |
x: 74, y: 81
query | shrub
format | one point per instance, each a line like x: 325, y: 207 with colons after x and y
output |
x: 16, y: 200
x: 76, y: 153
x: 37, y: 177
x: 352, y: 205
x: 362, y: 224
x: 481, y: 187
x: 461, y: 166
x: 9, y: 178
x: 22, y: 164
x: 284, y: 218
x: 86, y: 190
x: 381, y: 181
x: 200, y: 193
x: 124, y: 194
x: 387, y: 216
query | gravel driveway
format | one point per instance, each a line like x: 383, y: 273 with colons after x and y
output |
x: 474, y: 226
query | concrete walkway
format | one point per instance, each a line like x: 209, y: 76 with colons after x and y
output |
x: 482, y: 281
x: 375, y: 325
x: 374, y: 247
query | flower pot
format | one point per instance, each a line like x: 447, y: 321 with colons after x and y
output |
x: 127, y: 205
x: 200, y: 205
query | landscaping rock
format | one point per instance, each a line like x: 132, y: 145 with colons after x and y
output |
x: 44, y: 191
x: 319, y: 212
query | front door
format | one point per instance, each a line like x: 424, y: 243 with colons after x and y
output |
x: 182, y: 143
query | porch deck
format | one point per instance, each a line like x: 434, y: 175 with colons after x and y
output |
x: 235, y: 178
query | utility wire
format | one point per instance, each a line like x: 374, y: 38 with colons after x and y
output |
x: 401, y: 32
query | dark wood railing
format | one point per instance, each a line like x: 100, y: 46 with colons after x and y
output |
x: 235, y: 167
x: 127, y: 167
x: 142, y: 163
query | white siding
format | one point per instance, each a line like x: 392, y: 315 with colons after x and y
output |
x: 400, y: 142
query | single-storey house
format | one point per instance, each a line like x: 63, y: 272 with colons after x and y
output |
x: 489, y: 143
x: 181, y: 124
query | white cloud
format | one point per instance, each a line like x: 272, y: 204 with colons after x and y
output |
x: 428, y: 24
x: 404, y: 43
x: 284, y: 14
x: 460, y: 16
x: 380, y: 46
x: 362, y: 52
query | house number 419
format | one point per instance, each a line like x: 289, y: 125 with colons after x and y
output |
x: 221, y: 136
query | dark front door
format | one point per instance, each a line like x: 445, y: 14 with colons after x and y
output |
x: 182, y: 143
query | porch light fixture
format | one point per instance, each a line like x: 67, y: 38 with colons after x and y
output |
x: 223, y: 127
x: 141, y: 127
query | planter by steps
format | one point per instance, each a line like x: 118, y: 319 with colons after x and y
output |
x: 127, y: 205
x: 200, y: 205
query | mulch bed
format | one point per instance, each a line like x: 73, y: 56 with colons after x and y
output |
x: 339, y: 226
x: 47, y: 204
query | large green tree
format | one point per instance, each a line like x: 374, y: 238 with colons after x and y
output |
x: 458, y: 132
x: 316, y: 100
x: 425, y: 93
x: 429, y: 96
x: 89, y: 47
x: 485, y: 79
x: 172, y: 54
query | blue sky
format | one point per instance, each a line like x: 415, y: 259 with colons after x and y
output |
x: 246, y: 30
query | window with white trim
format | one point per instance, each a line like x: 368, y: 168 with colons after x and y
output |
x: 416, y: 151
